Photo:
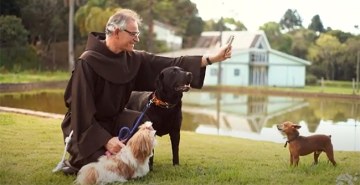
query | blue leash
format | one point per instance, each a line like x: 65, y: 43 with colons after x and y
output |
x: 125, y: 133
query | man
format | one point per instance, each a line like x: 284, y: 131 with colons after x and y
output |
x: 101, y: 84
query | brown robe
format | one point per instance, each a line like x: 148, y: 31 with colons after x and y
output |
x: 100, y: 87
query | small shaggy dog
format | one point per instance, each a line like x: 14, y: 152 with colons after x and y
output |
x: 131, y: 162
x: 301, y: 145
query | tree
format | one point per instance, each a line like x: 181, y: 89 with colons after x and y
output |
x: 301, y: 41
x: 94, y: 15
x: 277, y: 40
x: 232, y: 24
x: 316, y: 24
x: 226, y: 24
x: 193, y: 31
x: 15, y: 53
x: 176, y: 13
x: 291, y: 20
x: 12, y: 32
x: 51, y: 24
x: 209, y: 25
x: 351, y: 53
x: 10, y: 8
x: 342, y: 36
x: 326, y: 52
x: 194, y: 27
x: 146, y: 9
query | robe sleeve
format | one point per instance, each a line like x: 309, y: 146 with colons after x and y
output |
x: 152, y: 65
x: 90, y: 136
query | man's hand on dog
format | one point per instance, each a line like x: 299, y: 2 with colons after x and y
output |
x: 114, y: 145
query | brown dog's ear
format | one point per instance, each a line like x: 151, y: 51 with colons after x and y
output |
x: 297, y: 126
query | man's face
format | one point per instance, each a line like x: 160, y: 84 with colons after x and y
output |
x: 128, y: 37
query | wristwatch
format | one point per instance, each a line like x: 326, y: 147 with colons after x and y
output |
x: 208, y: 61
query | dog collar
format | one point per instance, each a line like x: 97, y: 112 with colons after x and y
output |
x: 161, y: 103
x: 288, y: 141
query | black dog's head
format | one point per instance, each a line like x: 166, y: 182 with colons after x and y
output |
x: 171, y: 83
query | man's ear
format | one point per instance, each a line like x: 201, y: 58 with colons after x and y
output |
x: 117, y: 31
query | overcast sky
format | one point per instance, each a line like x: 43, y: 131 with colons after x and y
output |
x: 342, y: 15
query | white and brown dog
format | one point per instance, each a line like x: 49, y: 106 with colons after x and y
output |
x: 131, y: 162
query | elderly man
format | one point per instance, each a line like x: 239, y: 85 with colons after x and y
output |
x: 102, y: 81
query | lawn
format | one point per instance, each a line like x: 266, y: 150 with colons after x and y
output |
x: 332, y: 87
x: 32, y: 146
x: 31, y: 76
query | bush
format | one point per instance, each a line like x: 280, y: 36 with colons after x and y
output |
x: 17, y: 59
x: 310, y: 79
x: 15, y: 53
x: 12, y: 32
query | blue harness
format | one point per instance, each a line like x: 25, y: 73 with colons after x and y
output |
x: 125, y: 133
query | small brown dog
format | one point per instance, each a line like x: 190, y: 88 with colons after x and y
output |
x: 301, y: 145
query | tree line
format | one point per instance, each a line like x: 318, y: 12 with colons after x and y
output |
x: 38, y: 30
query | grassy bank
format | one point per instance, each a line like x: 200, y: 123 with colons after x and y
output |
x: 32, y: 146
x: 330, y: 87
x: 31, y: 76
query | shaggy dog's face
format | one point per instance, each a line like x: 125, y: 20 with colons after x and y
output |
x: 143, y: 142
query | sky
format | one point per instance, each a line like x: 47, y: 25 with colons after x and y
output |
x: 342, y: 15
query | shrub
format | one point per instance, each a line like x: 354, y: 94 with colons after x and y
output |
x: 15, y: 53
x: 17, y: 59
x: 12, y: 32
x: 310, y: 79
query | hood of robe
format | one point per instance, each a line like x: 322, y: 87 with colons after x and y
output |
x: 117, y: 68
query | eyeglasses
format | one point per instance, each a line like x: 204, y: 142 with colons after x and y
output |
x: 133, y: 34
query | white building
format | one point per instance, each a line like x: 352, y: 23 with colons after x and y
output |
x: 253, y: 62
x: 166, y: 33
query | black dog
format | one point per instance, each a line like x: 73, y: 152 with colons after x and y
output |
x: 165, y: 111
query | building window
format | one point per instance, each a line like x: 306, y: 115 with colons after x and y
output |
x: 252, y: 57
x: 260, y: 46
x: 236, y: 72
x: 259, y: 56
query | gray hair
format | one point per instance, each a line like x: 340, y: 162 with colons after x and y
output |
x: 120, y: 19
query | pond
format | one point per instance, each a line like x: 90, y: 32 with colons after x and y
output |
x: 241, y: 115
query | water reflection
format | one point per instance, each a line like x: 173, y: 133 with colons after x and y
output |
x: 241, y: 115
x: 255, y: 117
x: 52, y: 101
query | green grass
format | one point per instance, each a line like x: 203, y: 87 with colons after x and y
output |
x: 31, y: 147
x: 31, y: 76
x: 319, y: 89
x: 336, y: 87
x: 339, y: 90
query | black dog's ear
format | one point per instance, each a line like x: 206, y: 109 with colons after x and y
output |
x: 158, y: 81
x: 161, y: 76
